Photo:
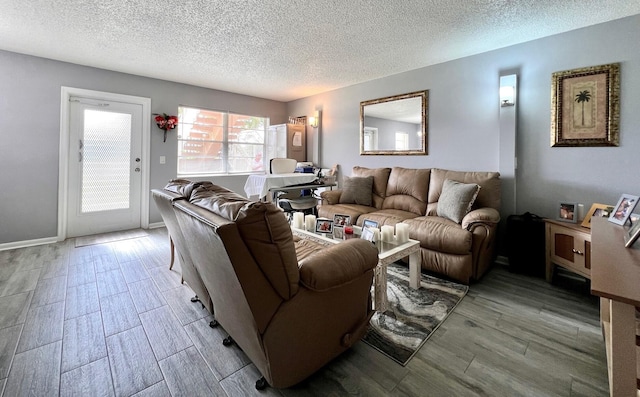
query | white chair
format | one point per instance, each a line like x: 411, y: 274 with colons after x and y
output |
x: 282, y: 166
x: 291, y: 201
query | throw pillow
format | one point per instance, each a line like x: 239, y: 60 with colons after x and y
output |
x: 456, y: 199
x: 356, y: 190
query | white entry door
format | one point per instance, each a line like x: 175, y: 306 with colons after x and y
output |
x: 105, y: 149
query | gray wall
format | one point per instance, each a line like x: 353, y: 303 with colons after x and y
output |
x: 30, y: 132
x: 464, y: 118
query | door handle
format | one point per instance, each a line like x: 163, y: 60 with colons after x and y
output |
x: 577, y: 252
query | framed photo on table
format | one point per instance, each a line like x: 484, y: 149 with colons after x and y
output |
x: 368, y: 223
x: 585, y: 106
x: 324, y: 225
x: 367, y: 234
x: 341, y: 220
x: 568, y: 212
x: 597, y: 210
x: 623, y: 209
x: 632, y: 235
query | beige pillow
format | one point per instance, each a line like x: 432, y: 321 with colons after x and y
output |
x: 456, y: 199
x: 356, y: 190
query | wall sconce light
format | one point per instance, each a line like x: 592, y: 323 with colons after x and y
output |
x: 506, y: 96
x: 314, y: 120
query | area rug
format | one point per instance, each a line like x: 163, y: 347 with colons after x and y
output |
x: 109, y: 237
x: 413, y: 315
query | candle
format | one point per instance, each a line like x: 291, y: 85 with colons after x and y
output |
x: 402, y: 232
x: 310, y: 223
x: 298, y: 220
x: 387, y: 233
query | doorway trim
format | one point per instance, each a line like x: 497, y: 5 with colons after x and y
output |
x: 63, y: 169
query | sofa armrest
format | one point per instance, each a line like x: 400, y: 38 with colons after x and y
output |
x: 480, y: 215
x: 338, y: 264
x: 331, y: 197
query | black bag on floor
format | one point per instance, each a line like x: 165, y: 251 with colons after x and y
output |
x: 525, y: 244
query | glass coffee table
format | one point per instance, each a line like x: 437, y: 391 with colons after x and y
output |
x: 387, y: 253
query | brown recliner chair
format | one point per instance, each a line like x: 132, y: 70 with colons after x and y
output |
x: 180, y: 189
x: 289, y: 317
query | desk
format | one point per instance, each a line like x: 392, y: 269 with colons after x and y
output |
x: 615, y: 277
x: 259, y: 185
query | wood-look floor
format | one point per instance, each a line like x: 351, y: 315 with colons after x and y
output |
x: 113, y: 320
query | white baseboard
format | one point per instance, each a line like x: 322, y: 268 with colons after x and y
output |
x: 156, y: 225
x: 28, y: 243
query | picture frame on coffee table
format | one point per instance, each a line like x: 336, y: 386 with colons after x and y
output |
x: 568, y: 212
x: 338, y: 232
x: 324, y: 225
x: 623, y: 209
x: 367, y: 234
x: 368, y: 223
x: 341, y: 220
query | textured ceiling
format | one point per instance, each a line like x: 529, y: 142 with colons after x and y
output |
x: 284, y: 49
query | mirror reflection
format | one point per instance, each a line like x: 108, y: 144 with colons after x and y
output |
x: 395, y: 125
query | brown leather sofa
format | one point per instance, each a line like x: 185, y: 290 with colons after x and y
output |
x: 461, y: 251
x: 291, y: 305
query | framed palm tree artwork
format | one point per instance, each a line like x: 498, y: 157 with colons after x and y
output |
x: 585, y: 106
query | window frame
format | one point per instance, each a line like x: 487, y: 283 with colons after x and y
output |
x: 226, y: 145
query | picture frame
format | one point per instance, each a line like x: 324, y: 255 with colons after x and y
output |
x: 324, y: 225
x: 623, y: 209
x: 632, y: 235
x: 368, y: 223
x: 338, y: 232
x: 567, y: 212
x: 341, y: 220
x: 596, y: 210
x: 585, y: 106
x: 367, y: 234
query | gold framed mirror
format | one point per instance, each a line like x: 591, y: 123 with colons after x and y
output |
x: 395, y: 125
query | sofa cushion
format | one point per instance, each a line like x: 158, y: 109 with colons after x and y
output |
x: 264, y: 230
x: 386, y: 217
x: 489, y: 195
x: 356, y: 190
x: 380, y: 180
x: 184, y: 187
x: 219, y: 200
x: 439, y: 234
x: 408, y: 190
x: 456, y: 199
x: 352, y: 210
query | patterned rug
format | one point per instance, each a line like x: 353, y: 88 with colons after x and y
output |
x: 413, y: 315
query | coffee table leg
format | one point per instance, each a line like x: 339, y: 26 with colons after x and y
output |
x: 380, y: 301
x: 414, y: 270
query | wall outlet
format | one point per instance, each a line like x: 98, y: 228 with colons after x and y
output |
x: 163, y: 159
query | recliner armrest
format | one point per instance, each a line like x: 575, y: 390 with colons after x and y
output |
x: 480, y: 215
x: 331, y: 196
x: 338, y: 264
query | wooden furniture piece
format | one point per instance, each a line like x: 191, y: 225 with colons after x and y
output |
x: 615, y: 278
x: 568, y: 245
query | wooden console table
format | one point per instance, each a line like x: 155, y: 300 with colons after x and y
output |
x: 615, y: 278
